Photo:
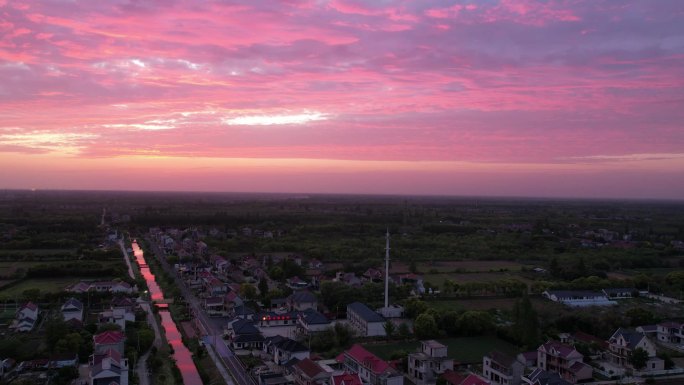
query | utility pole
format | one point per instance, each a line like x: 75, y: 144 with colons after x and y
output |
x: 387, y: 250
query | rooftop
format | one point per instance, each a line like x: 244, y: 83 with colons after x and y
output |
x: 365, y: 312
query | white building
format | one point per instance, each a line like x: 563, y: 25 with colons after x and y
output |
x: 501, y: 369
x: 425, y: 366
x: 579, y: 298
x: 72, y: 309
x: 365, y: 321
x: 371, y: 369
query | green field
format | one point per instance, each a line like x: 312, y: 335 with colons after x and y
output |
x: 465, y: 350
x: 46, y: 285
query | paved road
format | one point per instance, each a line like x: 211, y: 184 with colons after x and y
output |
x: 126, y: 258
x: 213, y: 334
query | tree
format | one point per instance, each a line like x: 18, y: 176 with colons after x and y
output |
x: 640, y: 316
x: 263, y: 288
x: 55, y: 329
x: 526, y: 322
x: 404, y: 331
x: 390, y: 329
x: 473, y: 322
x: 425, y: 326
x: 248, y: 291
x: 412, y: 267
x: 414, y: 307
x: 638, y: 358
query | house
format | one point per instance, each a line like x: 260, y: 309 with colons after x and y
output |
x: 270, y: 318
x: 502, y: 369
x: 528, y: 359
x: 302, y: 300
x: 308, y: 372
x: 108, y: 367
x: 556, y: 357
x: 111, y: 287
x: 121, y: 311
x: 364, y: 321
x: 670, y: 332
x: 215, y: 287
x: 542, y: 377
x: 624, y: 342
x: 72, y: 309
x: 374, y: 275
x: 371, y: 369
x: 232, y: 299
x: 275, y: 379
x: 109, y: 340
x: 346, y: 379
x: 579, y: 298
x: 454, y: 378
x: 426, y: 365
x: 619, y: 293
x: 284, y: 349
x: 80, y: 287
x: 296, y: 283
x: 244, y: 335
x: 214, y: 306
x: 63, y: 360
x: 26, y: 318
x: 349, y: 279
x: 311, y: 321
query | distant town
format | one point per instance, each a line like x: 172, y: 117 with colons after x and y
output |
x: 106, y: 288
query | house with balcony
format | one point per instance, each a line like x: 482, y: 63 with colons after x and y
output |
x: 371, y: 369
x: 365, y: 321
x: 670, y: 332
x: 109, y: 340
x: 565, y: 360
x: 426, y: 365
x: 624, y: 342
x: 502, y: 369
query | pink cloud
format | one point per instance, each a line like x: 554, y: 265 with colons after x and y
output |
x: 531, y: 82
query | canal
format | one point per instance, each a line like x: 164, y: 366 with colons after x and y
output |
x: 181, y: 353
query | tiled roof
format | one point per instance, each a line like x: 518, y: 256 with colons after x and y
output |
x: 312, y: 317
x: 561, y: 349
x: 632, y: 338
x: 73, y: 302
x: 347, y: 379
x: 290, y: 345
x: 109, y: 337
x: 473, y: 379
x: 303, y: 296
x: 452, y: 377
x: 310, y: 368
x: 367, y: 359
x: 501, y: 358
x: 365, y: 312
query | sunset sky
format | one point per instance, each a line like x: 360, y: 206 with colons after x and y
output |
x: 494, y: 97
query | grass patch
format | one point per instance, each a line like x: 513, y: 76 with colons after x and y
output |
x: 46, y: 285
x: 465, y: 350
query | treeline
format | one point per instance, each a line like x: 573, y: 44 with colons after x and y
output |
x: 337, y: 295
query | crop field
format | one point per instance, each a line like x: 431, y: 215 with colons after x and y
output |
x: 465, y: 350
x: 438, y: 279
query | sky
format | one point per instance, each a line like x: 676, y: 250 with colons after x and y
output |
x: 549, y: 98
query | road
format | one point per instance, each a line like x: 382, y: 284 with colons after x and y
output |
x: 126, y: 258
x: 213, y: 334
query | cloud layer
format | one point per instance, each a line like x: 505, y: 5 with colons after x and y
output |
x: 492, y: 82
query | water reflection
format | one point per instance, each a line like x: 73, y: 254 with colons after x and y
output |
x: 181, y: 353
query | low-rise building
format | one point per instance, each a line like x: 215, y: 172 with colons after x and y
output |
x: 311, y: 321
x: 302, y: 300
x: 542, y: 377
x: 371, y: 369
x: 308, y: 372
x: 108, y: 367
x: 502, y: 369
x: 425, y: 366
x: 26, y: 318
x: 72, y: 309
x: 624, y: 342
x: 670, y: 332
x: 579, y: 298
x: 563, y: 359
x: 364, y: 321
